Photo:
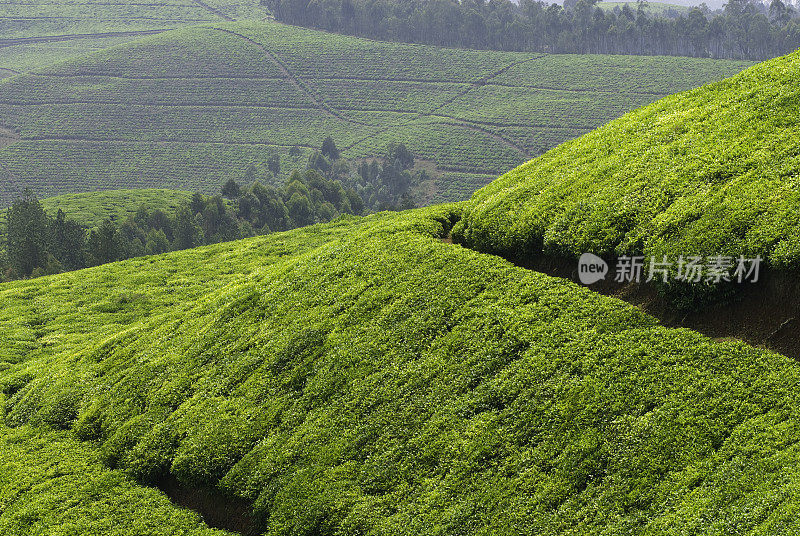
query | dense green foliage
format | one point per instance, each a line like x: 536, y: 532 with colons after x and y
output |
x: 660, y: 8
x: 711, y: 171
x: 364, y: 377
x: 742, y: 30
x: 51, y: 484
x: 37, y: 244
x: 90, y: 209
x: 193, y: 108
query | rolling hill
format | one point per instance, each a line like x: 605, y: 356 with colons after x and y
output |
x: 366, y: 377
x: 190, y: 108
x: 91, y: 209
x: 36, y: 33
x: 715, y: 170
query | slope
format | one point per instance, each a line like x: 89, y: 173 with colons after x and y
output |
x: 36, y: 33
x: 713, y: 171
x: 92, y: 208
x: 188, y: 109
x: 365, y: 377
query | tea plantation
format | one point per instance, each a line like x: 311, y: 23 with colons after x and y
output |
x: 90, y: 209
x: 365, y: 377
x: 36, y: 33
x: 191, y: 108
x: 715, y: 170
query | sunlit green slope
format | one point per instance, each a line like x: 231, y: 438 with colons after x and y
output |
x: 90, y: 209
x: 366, y: 377
x: 191, y: 108
x: 711, y: 171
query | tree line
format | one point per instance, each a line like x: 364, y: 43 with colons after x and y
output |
x: 743, y: 29
x: 38, y: 244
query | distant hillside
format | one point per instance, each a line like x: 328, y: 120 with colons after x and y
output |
x: 712, y: 171
x: 36, y: 34
x: 189, y: 109
x: 90, y: 209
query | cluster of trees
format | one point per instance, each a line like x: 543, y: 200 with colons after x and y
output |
x: 37, y: 244
x: 383, y: 183
x: 744, y: 29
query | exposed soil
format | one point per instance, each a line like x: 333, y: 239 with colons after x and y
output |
x: 765, y: 314
x: 217, y: 510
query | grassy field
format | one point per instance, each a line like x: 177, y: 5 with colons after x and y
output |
x: 190, y: 108
x: 91, y: 209
x: 714, y: 171
x: 38, y: 33
x: 365, y: 377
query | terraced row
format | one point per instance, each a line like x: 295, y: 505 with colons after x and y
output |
x: 59, y: 29
x: 247, y: 87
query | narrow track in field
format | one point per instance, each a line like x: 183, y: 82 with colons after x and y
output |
x: 214, y: 10
x: 480, y: 82
x: 296, y: 80
x: 69, y: 37
x: 162, y: 141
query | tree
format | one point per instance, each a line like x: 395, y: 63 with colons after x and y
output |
x: 231, y: 189
x: 274, y: 164
x: 104, y: 244
x: 398, y: 154
x: 318, y: 161
x: 159, y: 220
x: 67, y: 242
x: 300, y: 209
x: 26, y: 235
x: 187, y: 233
x: 156, y: 242
x: 329, y: 149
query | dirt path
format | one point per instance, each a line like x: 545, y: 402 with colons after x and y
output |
x: 480, y: 82
x: 495, y: 135
x: 765, y: 314
x: 155, y: 104
x: 163, y: 141
x: 213, y: 10
x: 68, y: 37
x: 296, y: 81
x: 7, y: 136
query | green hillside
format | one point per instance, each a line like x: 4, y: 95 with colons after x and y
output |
x: 90, y: 209
x: 711, y: 171
x: 190, y: 108
x: 50, y: 483
x: 36, y: 33
x: 365, y: 377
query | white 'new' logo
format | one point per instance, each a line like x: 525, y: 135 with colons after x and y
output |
x: 591, y: 269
